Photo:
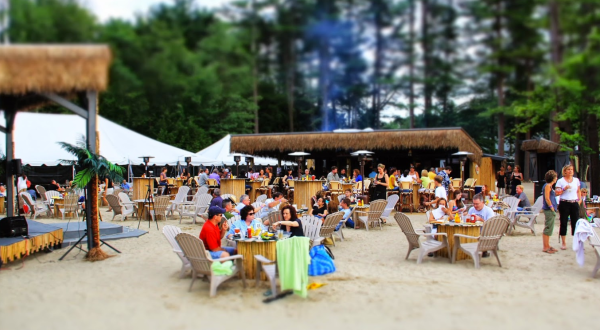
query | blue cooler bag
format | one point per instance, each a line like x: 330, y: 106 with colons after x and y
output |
x: 320, y: 262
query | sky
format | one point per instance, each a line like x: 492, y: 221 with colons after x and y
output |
x: 126, y: 9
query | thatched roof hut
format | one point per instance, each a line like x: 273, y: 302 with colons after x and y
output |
x: 26, y: 70
x: 280, y: 144
x: 540, y: 145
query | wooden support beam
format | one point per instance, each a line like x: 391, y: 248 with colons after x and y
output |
x: 67, y: 104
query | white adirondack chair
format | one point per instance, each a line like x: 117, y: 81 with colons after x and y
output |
x: 50, y: 194
x: 202, y: 190
x: 124, y: 198
x: 180, y: 198
x: 193, y: 210
x: 261, y: 199
x: 170, y: 232
x: 311, y: 225
x: 530, y: 213
x: 391, y: 203
x: 34, y: 208
x: 118, y: 208
x: 412, y: 236
x: 513, y: 203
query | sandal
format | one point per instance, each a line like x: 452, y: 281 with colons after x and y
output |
x: 563, y: 247
x: 549, y: 251
x: 552, y: 249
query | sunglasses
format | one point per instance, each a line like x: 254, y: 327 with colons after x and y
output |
x: 251, y: 213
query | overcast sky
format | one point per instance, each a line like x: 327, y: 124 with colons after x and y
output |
x: 127, y: 9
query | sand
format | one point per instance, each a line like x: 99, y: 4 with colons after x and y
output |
x: 373, y: 287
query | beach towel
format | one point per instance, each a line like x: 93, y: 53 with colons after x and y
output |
x: 583, y: 230
x: 292, y: 263
x: 225, y: 268
x: 320, y: 262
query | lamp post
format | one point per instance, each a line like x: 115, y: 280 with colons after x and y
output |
x: 299, y: 159
x: 146, y: 160
x: 362, y: 158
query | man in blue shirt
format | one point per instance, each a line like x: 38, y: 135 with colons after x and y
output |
x: 217, y: 200
x: 345, y: 205
x: 215, y: 175
x: 445, y: 174
x: 203, y: 180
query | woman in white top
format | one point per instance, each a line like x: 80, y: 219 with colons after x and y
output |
x: 570, y: 198
x: 441, y: 211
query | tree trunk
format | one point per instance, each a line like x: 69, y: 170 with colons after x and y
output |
x: 556, y: 56
x: 253, y: 50
x: 500, y: 77
x: 426, y: 60
x: 324, y: 10
x: 593, y: 142
x: 411, y: 68
x: 376, y: 96
x: 95, y: 253
x: 290, y: 68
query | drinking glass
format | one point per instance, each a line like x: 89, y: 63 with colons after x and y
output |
x: 237, y: 231
x: 280, y: 234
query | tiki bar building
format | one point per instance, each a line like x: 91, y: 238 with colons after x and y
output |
x: 425, y: 148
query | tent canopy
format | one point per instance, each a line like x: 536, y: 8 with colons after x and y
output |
x: 37, y: 136
x: 220, y: 151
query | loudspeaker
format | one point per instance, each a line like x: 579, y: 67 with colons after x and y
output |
x: 16, y: 167
x: 13, y: 227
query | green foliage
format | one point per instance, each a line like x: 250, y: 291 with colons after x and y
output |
x: 89, y: 165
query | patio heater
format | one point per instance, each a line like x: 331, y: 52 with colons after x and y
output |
x: 237, y: 159
x: 462, y: 156
x: 299, y: 159
x: 146, y: 160
x: 362, y: 158
x: 248, y: 161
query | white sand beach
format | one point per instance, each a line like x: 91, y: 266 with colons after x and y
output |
x: 373, y: 287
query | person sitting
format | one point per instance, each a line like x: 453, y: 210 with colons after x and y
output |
x: 413, y: 174
x: 217, y: 199
x: 215, y: 175
x: 290, y: 221
x: 306, y: 176
x: 247, y: 220
x: 345, y: 206
x: 2, y: 190
x: 125, y: 186
x: 332, y: 206
x: 343, y: 175
x: 356, y: 177
x: 203, y: 179
x: 54, y: 186
x: 523, y: 200
x: 440, y: 192
x: 250, y: 173
x: 315, y: 198
x: 485, y: 191
x: 244, y: 201
x: 25, y: 185
x: 406, y: 178
x: 424, y: 181
x: 479, y: 209
x: 319, y: 210
x: 184, y: 175
x: 333, y: 176
x: 288, y: 176
x: 212, y: 234
x: 229, y: 210
x: 393, y: 184
x: 441, y: 211
x: 350, y: 196
x: 272, y: 204
x: 456, y: 204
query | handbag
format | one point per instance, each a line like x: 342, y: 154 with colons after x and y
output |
x: 321, y: 263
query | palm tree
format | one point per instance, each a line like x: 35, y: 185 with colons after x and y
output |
x: 89, y: 167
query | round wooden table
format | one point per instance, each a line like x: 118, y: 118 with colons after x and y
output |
x: 364, y: 208
x: 236, y: 187
x: 451, y: 228
x: 250, y: 248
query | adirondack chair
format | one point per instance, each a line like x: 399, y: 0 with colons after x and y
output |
x: 51, y: 193
x: 412, y: 236
x: 491, y: 233
x: 595, y: 242
x: 170, y: 233
x: 513, y: 203
x: 192, y: 210
x: 392, y: 200
x: 180, y: 198
x: 202, y: 190
x: 261, y: 199
x: 193, y: 249
x: 311, y: 225
x: 42, y: 191
x: 124, y: 198
x: 118, y: 208
x: 530, y: 213
x: 70, y: 205
x: 376, y: 209
x: 34, y: 208
x: 161, y: 203
x: 335, y: 187
x: 202, y: 211
x: 357, y: 188
x: 329, y: 224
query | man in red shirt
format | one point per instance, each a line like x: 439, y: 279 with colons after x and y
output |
x: 211, y: 235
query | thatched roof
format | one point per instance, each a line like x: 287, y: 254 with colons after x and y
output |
x: 540, y: 145
x: 430, y: 138
x: 26, y: 69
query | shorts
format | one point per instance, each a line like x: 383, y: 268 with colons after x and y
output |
x: 549, y: 223
x: 217, y: 254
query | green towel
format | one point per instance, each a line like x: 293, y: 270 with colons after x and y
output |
x: 225, y: 268
x: 292, y: 262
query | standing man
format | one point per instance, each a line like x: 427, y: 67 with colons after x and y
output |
x: 203, y: 180
x: 445, y: 174
x: 333, y: 176
x: 508, y: 180
x: 211, y: 234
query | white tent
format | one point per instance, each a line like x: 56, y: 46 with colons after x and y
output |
x: 220, y: 151
x: 36, y: 136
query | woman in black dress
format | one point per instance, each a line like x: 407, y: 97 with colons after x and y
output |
x: 290, y: 221
x: 501, y: 181
x: 380, y: 183
x: 517, y: 177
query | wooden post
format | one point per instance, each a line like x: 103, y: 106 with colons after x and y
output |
x: 92, y: 145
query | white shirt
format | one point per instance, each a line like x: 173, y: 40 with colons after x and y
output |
x: 571, y: 193
x: 413, y: 176
x: 406, y: 178
x: 441, y: 193
x: 485, y: 213
x: 439, y: 212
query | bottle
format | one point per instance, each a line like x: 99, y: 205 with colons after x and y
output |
x: 249, y: 232
x: 456, y: 218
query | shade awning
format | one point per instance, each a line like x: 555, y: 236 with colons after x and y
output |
x: 540, y: 145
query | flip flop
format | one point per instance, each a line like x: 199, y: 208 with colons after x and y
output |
x: 549, y: 251
x: 563, y: 247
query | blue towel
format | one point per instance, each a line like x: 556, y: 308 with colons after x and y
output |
x: 320, y: 263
